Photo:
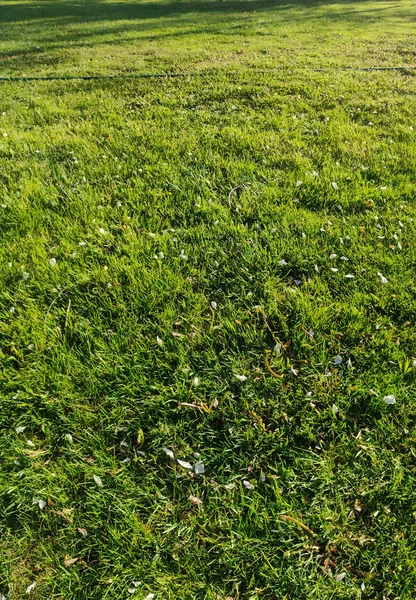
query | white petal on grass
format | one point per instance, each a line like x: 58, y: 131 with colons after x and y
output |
x: 168, y: 452
x: 282, y: 263
x: 248, y: 485
x: 334, y: 185
x: 240, y: 377
x: 20, y: 429
x: 199, y: 468
x: 159, y: 340
x: 40, y: 503
x: 149, y: 597
x: 12, y: 309
x: 338, y: 360
x: 332, y: 256
x: 126, y: 461
x: 30, y: 587
x: 196, y: 381
x: 52, y: 262
x: 390, y: 399
x: 69, y: 438
x: 102, y: 231
x: 98, y: 481
x: 335, y: 409
x: 184, y: 464
x: 195, y: 500
x: 349, y: 276
x: 25, y: 275
x: 299, y: 183
x: 349, y: 363
x: 414, y: 362
x: 334, y: 270
x: 214, y: 305
x: 30, y: 443
x: 316, y: 268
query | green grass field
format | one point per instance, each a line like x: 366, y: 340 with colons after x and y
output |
x: 221, y: 266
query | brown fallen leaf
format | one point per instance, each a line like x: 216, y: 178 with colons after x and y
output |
x: 70, y: 561
x: 66, y: 513
x: 35, y: 453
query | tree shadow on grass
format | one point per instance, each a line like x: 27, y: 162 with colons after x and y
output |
x: 96, y: 10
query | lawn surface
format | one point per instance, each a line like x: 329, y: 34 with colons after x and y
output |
x: 221, y: 266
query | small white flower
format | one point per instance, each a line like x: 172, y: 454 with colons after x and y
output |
x: 52, y: 262
x: 102, y: 231
x: 12, y: 309
x: 98, y: 481
x: 5, y: 134
x: 282, y: 263
x: 214, y: 305
x: 390, y: 399
x: 196, y: 381
x: 30, y: 587
x: 248, y: 485
x: 332, y: 256
x: 25, y: 275
x: 240, y: 377
x: 184, y: 464
x: 119, y: 204
x: 159, y: 341
x: 69, y: 438
x: 20, y: 429
x: 169, y: 452
x: 183, y: 255
x: 382, y: 278
x: 334, y: 185
x: 338, y: 360
x: 30, y: 443
x: 195, y: 500
x: 299, y: 183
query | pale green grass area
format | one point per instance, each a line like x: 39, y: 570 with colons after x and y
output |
x: 282, y: 197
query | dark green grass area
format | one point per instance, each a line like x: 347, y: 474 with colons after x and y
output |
x: 160, y: 238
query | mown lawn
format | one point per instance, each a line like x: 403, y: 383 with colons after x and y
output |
x: 214, y: 269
